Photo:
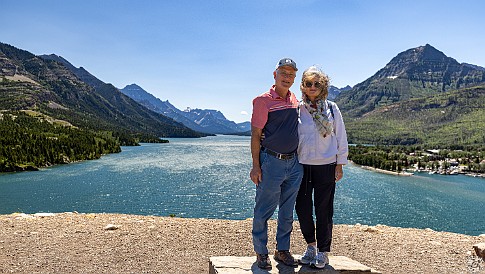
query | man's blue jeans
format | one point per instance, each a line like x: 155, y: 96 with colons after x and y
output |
x: 279, y: 187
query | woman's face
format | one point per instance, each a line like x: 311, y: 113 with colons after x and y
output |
x: 312, y: 87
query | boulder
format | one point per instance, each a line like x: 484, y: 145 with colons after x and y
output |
x: 233, y: 264
x: 480, y: 250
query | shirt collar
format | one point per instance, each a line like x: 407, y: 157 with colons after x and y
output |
x: 275, y: 95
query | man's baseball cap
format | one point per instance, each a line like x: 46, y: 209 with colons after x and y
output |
x: 286, y: 62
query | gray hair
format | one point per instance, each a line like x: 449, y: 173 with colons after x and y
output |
x: 315, y: 71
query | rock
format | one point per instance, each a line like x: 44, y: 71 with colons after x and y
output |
x: 111, y: 227
x: 41, y: 214
x: 22, y: 216
x: 233, y: 264
x: 480, y: 250
x: 371, y: 229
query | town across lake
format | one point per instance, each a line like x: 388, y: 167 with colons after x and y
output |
x: 209, y: 178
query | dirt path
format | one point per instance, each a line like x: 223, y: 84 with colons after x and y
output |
x: 75, y: 243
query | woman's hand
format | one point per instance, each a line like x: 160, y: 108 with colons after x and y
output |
x: 339, y: 172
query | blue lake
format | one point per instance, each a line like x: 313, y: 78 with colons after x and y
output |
x: 209, y: 178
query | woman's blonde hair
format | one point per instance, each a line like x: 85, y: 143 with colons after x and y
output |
x: 316, y: 72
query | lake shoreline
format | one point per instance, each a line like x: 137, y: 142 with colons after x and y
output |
x: 404, y: 173
x: 407, y: 173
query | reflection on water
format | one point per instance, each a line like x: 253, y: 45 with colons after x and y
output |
x: 209, y: 178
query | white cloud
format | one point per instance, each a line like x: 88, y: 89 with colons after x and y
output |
x: 244, y: 112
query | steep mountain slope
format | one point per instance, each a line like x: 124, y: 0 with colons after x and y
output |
x: 414, y: 73
x: 46, y: 85
x: 81, y: 73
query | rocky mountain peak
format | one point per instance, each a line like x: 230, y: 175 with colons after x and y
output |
x: 428, y: 53
x: 419, y: 54
x: 423, y: 59
x: 413, y: 73
x: 133, y: 87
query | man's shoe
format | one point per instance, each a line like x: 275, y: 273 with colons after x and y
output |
x: 285, y: 257
x: 309, y: 255
x: 263, y: 261
x: 320, y: 261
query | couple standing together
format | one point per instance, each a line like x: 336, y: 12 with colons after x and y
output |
x: 298, y: 149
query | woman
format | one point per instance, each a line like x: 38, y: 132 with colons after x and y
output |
x: 322, y: 150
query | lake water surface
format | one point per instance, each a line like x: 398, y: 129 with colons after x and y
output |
x: 209, y: 178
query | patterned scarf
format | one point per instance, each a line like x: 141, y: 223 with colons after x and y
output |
x: 324, y: 126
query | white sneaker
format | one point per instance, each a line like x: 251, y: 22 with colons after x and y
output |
x: 310, y: 254
x: 320, y: 261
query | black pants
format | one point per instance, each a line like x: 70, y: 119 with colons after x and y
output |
x: 319, y: 180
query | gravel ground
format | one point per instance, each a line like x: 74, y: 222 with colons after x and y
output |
x: 81, y: 243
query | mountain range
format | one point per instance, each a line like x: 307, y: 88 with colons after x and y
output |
x: 421, y: 92
x: 53, y: 87
x: 203, y: 120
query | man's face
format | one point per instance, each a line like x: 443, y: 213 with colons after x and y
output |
x: 284, y: 77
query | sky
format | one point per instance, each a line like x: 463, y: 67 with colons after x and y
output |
x: 221, y: 54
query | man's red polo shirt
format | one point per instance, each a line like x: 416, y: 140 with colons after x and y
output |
x: 278, y: 117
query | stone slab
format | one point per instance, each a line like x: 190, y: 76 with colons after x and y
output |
x: 233, y: 265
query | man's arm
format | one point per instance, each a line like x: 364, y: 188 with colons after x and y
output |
x: 256, y: 174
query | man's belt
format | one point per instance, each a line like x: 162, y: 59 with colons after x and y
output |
x: 277, y: 155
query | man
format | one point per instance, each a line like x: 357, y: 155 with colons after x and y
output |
x: 276, y: 171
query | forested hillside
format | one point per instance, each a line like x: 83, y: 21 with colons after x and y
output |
x: 451, y: 118
x: 27, y: 143
x: 48, y: 86
x: 421, y: 100
x: 50, y: 115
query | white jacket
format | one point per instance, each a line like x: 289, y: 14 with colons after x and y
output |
x: 313, y: 149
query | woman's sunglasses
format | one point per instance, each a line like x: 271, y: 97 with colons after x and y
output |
x: 309, y: 84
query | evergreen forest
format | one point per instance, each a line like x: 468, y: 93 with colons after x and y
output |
x: 27, y: 143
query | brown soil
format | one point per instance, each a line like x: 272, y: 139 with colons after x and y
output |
x: 80, y: 243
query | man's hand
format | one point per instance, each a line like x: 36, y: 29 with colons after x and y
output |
x: 255, y: 175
